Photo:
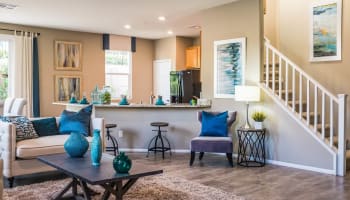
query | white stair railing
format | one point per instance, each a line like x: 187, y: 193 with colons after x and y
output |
x: 321, y: 112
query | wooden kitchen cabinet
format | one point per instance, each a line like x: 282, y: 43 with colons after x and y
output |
x: 193, y: 57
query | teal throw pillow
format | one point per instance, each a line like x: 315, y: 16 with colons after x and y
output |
x: 214, y: 125
x: 76, y: 121
x: 45, y: 126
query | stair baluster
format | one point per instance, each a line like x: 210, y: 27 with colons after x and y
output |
x: 315, y: 121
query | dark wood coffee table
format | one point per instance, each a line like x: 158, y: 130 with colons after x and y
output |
x: 83, y: 173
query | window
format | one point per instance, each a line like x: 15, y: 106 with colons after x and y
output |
x: 6, y: 55
x: 118, y: 72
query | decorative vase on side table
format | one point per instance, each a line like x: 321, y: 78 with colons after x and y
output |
x: 96, y: 148
x: 76, y: 145
x: 121, y: 163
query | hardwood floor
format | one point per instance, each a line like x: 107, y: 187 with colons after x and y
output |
x: 267, y: 183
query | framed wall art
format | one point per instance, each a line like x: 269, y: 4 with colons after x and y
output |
x: 68, y: 55
x: 66, y: 86
x: 229, y: 65
x: 326, y: 30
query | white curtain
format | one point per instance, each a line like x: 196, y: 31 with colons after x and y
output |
x: 21, y: 73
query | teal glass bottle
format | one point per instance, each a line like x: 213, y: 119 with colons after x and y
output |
x: 96, y: 148
x: 122, y: 163
x: 76, y: 145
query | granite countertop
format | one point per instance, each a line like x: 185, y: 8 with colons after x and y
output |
x: 116, y: 105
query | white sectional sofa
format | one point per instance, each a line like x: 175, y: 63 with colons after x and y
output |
x: 19, y: 158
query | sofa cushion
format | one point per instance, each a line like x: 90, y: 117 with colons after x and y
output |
x: 31, y: 148
x: 212, y: 144
x: 76, y: 121
x: 45, y: 126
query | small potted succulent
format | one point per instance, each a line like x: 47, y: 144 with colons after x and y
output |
x: 258, y: 117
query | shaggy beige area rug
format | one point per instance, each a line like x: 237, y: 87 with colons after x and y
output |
x: 158, y: 187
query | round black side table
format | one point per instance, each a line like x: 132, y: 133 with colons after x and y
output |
x: 251, y: 147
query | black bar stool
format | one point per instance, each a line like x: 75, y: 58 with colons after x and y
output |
x: 156, y: 148
x: 114, y: 146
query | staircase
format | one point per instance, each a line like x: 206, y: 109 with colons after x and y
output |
x: 318, y: 111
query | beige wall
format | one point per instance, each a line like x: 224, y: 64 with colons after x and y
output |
x: 93, y: 63
x: 92, y: 70
x: 173, y: 48
x: 293, y: 29
x: 142, y: 71
x: 197, y: 41
x: 286, y: 140
x: 117, y: 42
x: 166, y: 49
x: 235, y: 20
x: 271, y: 18
x: 181, y: 44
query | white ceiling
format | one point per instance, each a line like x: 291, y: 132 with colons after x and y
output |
x: 109, y: 16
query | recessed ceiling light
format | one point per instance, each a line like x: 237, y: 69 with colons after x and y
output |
x: 170, y: 32
x: 195, y: 27
x: 161, y: 18
x: 127, y: 26
x: 8, y: 6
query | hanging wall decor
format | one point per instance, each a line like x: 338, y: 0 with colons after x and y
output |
x: 67, y: 86
x: 229, y: 64
x: 326, y: 30
x: 68, y: 55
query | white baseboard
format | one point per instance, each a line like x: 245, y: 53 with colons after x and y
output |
x: 303, y: 167
x: 273, y: 162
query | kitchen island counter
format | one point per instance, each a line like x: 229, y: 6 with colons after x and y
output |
x: 133, y: 130
x: 132, y: 105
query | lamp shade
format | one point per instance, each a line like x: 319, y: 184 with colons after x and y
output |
x: 247, y: 93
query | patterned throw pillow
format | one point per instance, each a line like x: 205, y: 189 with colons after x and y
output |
x: 24, y: 127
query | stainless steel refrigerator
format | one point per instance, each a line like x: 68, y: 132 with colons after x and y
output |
x: 184, y: 85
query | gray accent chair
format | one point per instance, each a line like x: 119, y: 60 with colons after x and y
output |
x: 204, y: 144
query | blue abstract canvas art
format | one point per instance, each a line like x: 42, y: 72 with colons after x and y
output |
x: 229, y: 64
x: 325, y: 31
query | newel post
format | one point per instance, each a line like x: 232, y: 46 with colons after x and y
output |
x: 341, y: 155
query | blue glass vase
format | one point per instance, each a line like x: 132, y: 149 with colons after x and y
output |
x: 96, y: 148
x: 76, y: 145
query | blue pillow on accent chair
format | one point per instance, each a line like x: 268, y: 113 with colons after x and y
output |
x: 45, y: 126
x: 214, y: 125
x: 76, y: 121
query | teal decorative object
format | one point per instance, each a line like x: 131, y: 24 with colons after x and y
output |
x: 160, y: 101
x: 76, y: 145
x: 106, y: 95
x: 84, y: 100
x: 73, y: 99
x: 96, y: 148
x: 96, y: 96
x: 123, y: 100
x: 121, y: 163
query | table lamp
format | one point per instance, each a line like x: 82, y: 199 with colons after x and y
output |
x: 248, y: 94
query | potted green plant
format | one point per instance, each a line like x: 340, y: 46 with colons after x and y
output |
x: 258, y: 117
